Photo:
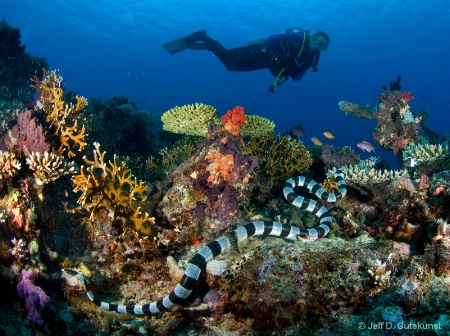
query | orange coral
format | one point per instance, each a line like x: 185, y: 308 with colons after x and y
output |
x: 221, y: 167
x: 233, y: 120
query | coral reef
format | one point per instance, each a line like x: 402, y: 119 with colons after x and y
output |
x: 28, y: 135
x: 190, y: 119
x: 110, y: 186
x: 35, y: 297
x: 48, y: 167
x: 194, y: 120
x: 279, y: 156
x: 9, y: 166
x: 65, y: 119
x: 333, y: 158
x: 207, y: 188
x: 257, y: 126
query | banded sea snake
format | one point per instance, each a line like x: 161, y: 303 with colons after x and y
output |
x: 220, y: 245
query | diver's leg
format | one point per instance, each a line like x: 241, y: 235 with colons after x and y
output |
x: 245, y: 58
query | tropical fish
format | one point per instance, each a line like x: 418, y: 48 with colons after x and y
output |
x: 366, y: 146
x: 316, y: 141
x: 297, y: 130
x: 328, y: 135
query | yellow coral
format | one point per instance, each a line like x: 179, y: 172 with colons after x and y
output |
x: 279, y: 156
x: 111, y: 186
x: 65, y: 119
x: 256, y: 125
x: 190, y: 119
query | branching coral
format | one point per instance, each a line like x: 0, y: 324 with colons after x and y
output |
x: 111, y: 186
x: 65, y: 119
x: 279, y: 156
x: 49, y: 167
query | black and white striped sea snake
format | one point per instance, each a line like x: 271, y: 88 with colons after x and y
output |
x: 220, y: 245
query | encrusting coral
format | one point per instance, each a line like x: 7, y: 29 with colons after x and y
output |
x: 65, y: 119
x: 110, y: 186
x: 48, y: 167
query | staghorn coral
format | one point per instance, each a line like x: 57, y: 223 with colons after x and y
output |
x: 9, y: 166
x: 190, y: 119
x: 279, y: 156
x: 65, y: 119
x: 111, y: 186
x: 48, y: 167
x: 256, y: 125
x: 355, y: 110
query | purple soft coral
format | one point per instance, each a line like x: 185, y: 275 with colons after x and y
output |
x: 35, y: 297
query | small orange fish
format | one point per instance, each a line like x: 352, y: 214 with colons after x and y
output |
x: 317, y: 142
x: 328, y: 135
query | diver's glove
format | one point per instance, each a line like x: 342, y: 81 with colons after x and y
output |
x: 280, y: 80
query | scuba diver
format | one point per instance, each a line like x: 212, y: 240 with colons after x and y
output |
x: 286, y: 55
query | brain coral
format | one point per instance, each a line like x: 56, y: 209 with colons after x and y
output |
x: 190, y: 119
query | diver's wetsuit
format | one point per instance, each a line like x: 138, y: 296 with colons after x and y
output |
x: 277, y: 52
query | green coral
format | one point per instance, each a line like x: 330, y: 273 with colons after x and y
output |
x: 279, y: 156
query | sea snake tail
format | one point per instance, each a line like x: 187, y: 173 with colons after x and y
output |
x: 222, y: 244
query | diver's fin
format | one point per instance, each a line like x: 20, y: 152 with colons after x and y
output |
x: 177, y: 45
x: 183, y: 43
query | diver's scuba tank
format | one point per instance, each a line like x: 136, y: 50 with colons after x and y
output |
x: 261, y: 39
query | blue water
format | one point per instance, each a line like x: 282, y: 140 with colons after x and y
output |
x: 106, y: 48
